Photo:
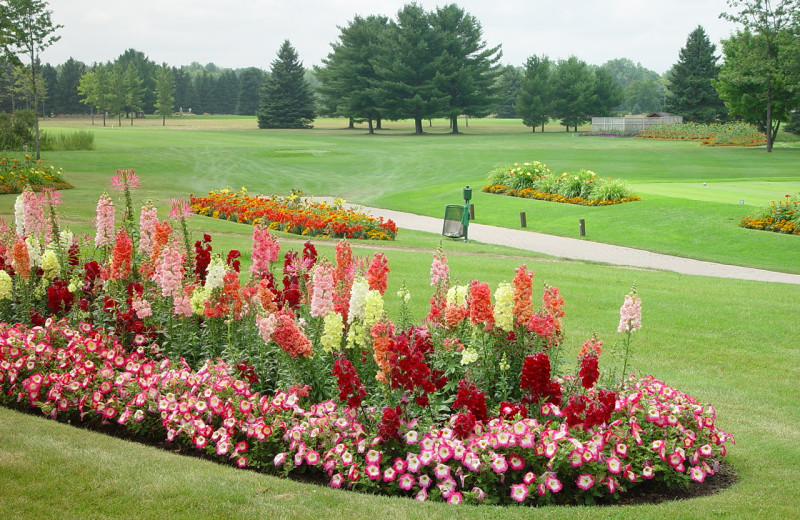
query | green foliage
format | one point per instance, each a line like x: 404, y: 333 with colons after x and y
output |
x: 727, y: 134
x: 251, y: 80
x: 508, y: 86
x: 286, y: 100
x: 691, y: 93
x: 66, y: 141
x: 535, y: 102
x: 165, y: 90
x: 574, y: 92
x: 16, y: 130
x: 641, y: 87
x: 17, y: 174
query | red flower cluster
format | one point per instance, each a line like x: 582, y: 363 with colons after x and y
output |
x: 471, y: 398
x: 351, y: 389
x: 510, y: 411
x: 536, y: 378
x: 378, y: 272
x: 464, y: 424
x: 389, y: 427
x: 248, y: 372
x: 589, y: 371
x: 588, y: 411
x: 409, y: 368
x: 202, y: 257
x: 59, y: 297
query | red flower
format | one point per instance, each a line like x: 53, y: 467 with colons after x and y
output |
x: 351, y: 389
x: 535, y: 377
x: 471, y: 398
x: 464, y: 424
x: 389, y: 427
x: 480, y: 305
x: 589, y: 371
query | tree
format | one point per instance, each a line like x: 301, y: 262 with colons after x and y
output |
x: 608, y: 94
x: 27, y: 29
x: 535, y: 101
x: 132, y: 91
x: 251, y: 80
x: 89, y: 88
x: 508, y: 87
x: 347, y: 77
x: 691, y: 93
x: 758, y: 80
x: 49, y: 84
x: 644, y: 96
x: 146, y: 72
x: 408, y: 68
x: 575, y: 96
x: 65, y: 95
x: 468, y: 70
x: 286, y: 100
x: 625, y: 73
x: 165, y: 90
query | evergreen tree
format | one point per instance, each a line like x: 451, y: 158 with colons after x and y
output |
x: 574, y: 88
x: 133, y: 91
x: 286, y: 100
x: 347, y: 76
x: 49, y: 76
x: 165, y: 89
x: 408, y: 69
x: 251, y: 80
x: 535, y: 101
x: 226, y: 92
x: 508, y: 87
x: 146, y: 72
x: 468, y: 70
x: 66, y: 96
x: 691, y: 93
x: 608, y: 94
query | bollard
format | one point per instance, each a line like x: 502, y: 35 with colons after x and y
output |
x: 582, y: 227
x: 472, y: 211
x: 523, y: 221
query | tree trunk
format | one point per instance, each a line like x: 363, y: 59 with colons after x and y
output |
x: 769, y: 133
x: 542, y: 127
x: 371, y: 130
x: 35, y: 107
x: 533, y: 128
x: 378, y: 125
x: 454, y: 124
x: 351, y: 125
x: 119, y: 119
x: 104, y: 119
x: 164, y: 120
x: 418, y: 125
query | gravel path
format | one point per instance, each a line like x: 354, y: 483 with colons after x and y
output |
x: 575, y: 249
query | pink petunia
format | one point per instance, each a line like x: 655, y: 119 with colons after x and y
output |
x: 614, y: 465
x: 499, y: 464
x: 406, y: 481
x: 552, y: 483
x: 455, y: 498
x: 585, y: 481
x: 519, y: 492
x: 516, y: 462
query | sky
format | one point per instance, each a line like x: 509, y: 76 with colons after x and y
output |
x: 247, y: 33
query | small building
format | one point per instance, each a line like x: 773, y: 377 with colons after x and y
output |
x: 633, y: 124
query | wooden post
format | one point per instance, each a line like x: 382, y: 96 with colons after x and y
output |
x: 523, y: 221
x: 582, y: 227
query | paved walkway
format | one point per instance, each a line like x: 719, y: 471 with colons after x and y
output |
x: 575, y: 249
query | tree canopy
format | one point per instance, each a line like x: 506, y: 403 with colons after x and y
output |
x: 286, y: 100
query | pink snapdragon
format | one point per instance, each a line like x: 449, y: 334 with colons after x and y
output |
x: 125, y: 180
x: 169, y: 271
x: 147, y: 228
x: 104, y: 221
x: 630, y: 314
x: 440, y: 271
x: 322, y: 290
x: 179, y: 209
x: 265, y: 251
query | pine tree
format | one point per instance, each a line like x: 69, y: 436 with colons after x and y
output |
x: 691, y: 93
x: 535, y: 101
x: 250, y: 82
x: 286, y: 100
x: 165, y: 90
x: 574, y: 92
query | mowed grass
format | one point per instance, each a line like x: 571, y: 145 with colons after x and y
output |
x: 421, y: 174
x: 731, y: 343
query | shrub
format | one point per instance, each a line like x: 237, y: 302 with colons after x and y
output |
x: 17, y: 174
x: 78, y: 140
x: 782, y: 216
x: 16, y: 130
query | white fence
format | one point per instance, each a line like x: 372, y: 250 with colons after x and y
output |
x: 630, y: 124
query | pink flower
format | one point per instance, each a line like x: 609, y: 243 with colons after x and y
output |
x: 614, y: 465
x: 373, y: 471
x: 125, y: 179
x: 439, y: 269
x: 104, y: 221
x: 322, y: 290
x: 585, y: 481
x: 422, y: 496
x: 630, y: 314
x: 552, y: 483
x: 455, y: 498
x: 516, y: 461
x: 389, y: 474
x: 265, y: 251
x: 147, y: 228
x: 529, y: 478
x: 499, y: 464
x: 336, y: 480
x: 179, y: 209
x: 442, y: 471
x: 406, y: 481
x: 168, y: 273
x: 519, y: 492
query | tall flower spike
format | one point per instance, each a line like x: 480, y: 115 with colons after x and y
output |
x: 630, y: 314
x: 104, y: 221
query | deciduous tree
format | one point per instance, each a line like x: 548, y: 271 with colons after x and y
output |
x: 165, y: 90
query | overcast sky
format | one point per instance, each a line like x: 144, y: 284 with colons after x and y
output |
x: 247, y: 33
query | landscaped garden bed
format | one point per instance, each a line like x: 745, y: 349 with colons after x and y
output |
x: 713, y: 134
x: 534, y: 180
x: 293, y: 214
x: 309, y: 374
x: 781, y: 216
x: 16, y: 174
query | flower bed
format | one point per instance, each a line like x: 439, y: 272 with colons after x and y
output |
x: 714, y: 134
x: 16, y: 175
x: 534, y: 180
x: 475, y: 404
x: 293, y: 214
x: 782, y: 216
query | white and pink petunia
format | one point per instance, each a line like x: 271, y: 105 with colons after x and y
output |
x: 406, y: 481
x: 519, y: 492
x: 585, y: 481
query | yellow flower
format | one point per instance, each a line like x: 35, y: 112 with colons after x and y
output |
x: 5, y: 285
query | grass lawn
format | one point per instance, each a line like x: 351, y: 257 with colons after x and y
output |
x: 731, y: 343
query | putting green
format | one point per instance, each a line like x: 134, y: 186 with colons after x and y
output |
x: 749, y: 193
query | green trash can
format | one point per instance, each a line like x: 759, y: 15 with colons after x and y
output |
x: 453, y: 226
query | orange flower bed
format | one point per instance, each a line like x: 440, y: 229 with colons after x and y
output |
x: 530, y: 193
x: 293, y: 214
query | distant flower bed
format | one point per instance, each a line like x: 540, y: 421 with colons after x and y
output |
x: 608, y: 133
x: 534, y: 180
x: 728, y: 134
x: 16, y: 174
x: 293, y: 214
x: 782, y: 216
